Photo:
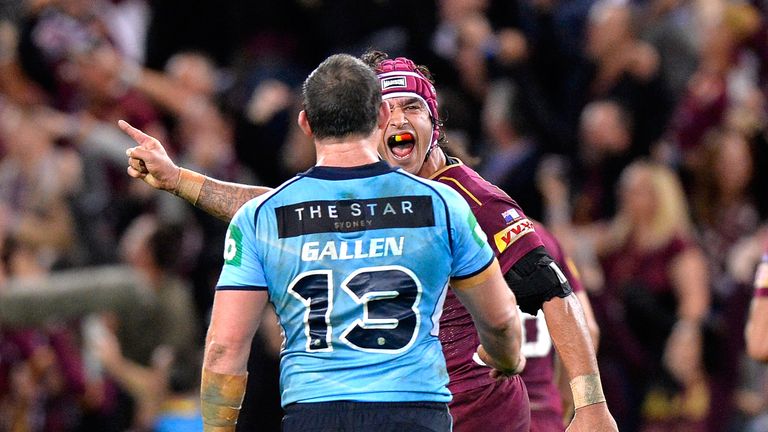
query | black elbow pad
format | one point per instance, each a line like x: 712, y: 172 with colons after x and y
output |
x: 535, y: 278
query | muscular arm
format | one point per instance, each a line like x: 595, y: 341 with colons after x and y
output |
x: 235, y: 318
x: 494, y: 311
x: 223, y: 199
x: 568, y: 328
x: 569, y: 331
x: 589, y: 315
x: 149, y: 162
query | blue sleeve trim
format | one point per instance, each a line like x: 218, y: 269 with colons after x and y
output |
x: 475, y: 273
x: 240, y: 288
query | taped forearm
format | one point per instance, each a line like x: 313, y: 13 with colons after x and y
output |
x: 189, y: 185
x: 222, y: 397
x: 587, y: 390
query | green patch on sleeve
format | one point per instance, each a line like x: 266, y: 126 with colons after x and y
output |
x: 477, y: 232
x: 233, y: 246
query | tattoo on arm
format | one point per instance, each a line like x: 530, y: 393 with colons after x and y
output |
x: 223, y: 199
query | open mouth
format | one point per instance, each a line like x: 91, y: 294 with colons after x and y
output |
x: 401, y: 145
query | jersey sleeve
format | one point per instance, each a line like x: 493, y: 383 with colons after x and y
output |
x: 242, y: 268
x: 471, y: 253
x: 510, y: 233
x: 563, y: 261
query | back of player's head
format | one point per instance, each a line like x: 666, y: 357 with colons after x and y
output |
x: 341, y: 98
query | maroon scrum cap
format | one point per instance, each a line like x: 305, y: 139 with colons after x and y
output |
x: 399, y: 77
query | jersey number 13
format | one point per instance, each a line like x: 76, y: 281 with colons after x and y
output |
x: 389, y: 296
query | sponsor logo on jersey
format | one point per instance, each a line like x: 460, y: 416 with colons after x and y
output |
x: 233, y: 246
x: 313, y: 217
x: 394, y: 82
x: 511, y: 234
x: 510, y: 216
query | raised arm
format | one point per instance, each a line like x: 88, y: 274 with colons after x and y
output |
x: 494, y: 311
x: 149, y: 162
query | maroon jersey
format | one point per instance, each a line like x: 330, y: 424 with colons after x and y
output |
x: 511, y: 235
x: 539, y: 372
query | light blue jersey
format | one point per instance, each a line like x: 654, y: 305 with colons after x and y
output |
x: 356, y: 262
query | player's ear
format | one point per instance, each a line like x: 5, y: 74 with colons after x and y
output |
x: 304, y: 123
x: 384, y: 113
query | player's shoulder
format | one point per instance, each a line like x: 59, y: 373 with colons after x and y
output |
x: 436, y: 187
x: 470, y: 184
x: 253, y: 206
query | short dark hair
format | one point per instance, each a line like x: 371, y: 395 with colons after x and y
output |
x: 341, y: 97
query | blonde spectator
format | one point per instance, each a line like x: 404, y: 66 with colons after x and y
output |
x: 653, y: 305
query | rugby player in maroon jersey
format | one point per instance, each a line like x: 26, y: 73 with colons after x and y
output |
x: 480, y: 403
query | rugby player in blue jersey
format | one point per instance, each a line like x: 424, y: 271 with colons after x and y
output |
x: 356, y: 257
x: 411, y: 142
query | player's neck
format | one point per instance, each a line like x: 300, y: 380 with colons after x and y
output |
x: 346, y: 152
x: 435, y: 162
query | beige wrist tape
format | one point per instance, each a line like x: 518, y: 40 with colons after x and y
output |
x: 189, y: 185
x: 587, y: 390
x: 221, y: 396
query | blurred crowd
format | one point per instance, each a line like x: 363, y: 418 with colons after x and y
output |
x: 636, y: 129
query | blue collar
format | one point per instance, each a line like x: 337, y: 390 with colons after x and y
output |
x: 344, y: 173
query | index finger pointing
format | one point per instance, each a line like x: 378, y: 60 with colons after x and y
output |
x: 140, y: 137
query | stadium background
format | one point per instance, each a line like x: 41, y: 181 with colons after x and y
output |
x: 550, y: 99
